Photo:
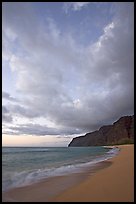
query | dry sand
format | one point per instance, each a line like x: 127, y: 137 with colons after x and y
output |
x: 113, y: 183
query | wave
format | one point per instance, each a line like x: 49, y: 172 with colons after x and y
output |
x: 24, y: 178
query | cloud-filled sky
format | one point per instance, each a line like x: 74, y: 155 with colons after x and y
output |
x: 67, y: 69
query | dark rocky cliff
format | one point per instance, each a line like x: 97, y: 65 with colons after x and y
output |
x: 120, y: 132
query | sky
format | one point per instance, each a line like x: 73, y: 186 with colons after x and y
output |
x: 67, y: 69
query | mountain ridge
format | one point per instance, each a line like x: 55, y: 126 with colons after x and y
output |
x: 120, y: 132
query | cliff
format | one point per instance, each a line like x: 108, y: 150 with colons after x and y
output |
x: 120, y: 132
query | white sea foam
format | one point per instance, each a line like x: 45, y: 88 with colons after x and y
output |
x: 19, y: 178
x: 28, y: 177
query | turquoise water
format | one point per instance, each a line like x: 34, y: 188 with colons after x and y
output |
x: 24, y: 165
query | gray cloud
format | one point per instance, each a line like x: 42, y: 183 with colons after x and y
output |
x: 6, y: 116
x: 7, y: 96
x: 23, y: 111
x: 36, y: 129
x: 77, y: 87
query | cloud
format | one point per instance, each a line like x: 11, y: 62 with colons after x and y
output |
x: 75, y: 6
x: 7, y: 96
x: 79, y: 5
x: 77, y: 87
x: 36, y: 129
x: 6, y: 117
x: 23, y: 111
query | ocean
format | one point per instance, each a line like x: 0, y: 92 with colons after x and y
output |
x: 22, y: 166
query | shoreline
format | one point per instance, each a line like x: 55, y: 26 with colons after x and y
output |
x: 112, y: 184
x: 70, y: 187
x: 51, y: 187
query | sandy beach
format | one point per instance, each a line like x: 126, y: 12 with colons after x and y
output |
x: 113, y: 182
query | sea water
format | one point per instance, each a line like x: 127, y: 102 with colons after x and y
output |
x: 25, y: 165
